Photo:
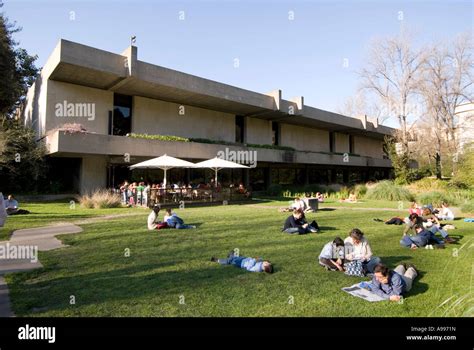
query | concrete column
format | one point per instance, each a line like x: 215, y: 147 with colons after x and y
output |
x: 93, y: 174
x: 245, y: 177
x: 267, y: 177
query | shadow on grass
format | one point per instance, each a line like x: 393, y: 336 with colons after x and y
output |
x: 118, y: 285
x: 393, y: 261
x: 327, y: 209
x: 327, y: 228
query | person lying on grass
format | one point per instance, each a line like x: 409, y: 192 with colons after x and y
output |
x: 391, y: 285
x: 153, y: 222
x: 249, y: 264
x: 332, y: 255
x: 422, y: 238
x: 296, y: 223
x: 358, y: 248
x: 352, y: 198
x: 174, y: 221
x: 426, y: 222
x: 392, y: 221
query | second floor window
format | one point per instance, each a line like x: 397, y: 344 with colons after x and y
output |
x: 122, y: 115
x: 239, y: 129
x: 332, y: 142
x: 275, y: 134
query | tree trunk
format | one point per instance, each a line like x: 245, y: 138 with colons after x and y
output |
x: 438, y: 166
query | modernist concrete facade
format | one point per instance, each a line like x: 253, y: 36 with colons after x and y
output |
x: 314, y: 145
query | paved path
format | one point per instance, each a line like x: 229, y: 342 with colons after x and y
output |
x: 42, y: 239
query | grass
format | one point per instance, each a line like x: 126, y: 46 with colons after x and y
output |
x: 168, y: 273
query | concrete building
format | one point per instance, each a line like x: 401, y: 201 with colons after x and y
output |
x: 465, y: 122
x: 113, y: 95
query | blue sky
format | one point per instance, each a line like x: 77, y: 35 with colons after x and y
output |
x: 303, y: 56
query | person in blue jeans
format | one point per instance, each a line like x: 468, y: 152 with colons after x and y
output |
x: 249, y: 264
x: 423, y: 237
x: 174, y: 221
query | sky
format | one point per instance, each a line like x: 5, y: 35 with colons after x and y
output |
x: 305, y: 48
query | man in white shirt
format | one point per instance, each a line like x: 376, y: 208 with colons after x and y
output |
x: 11, y: 205
x: 445, y: 213
x: 153, y: 218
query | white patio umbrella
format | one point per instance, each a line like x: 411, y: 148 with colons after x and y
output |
x: 217, y: 164
x: 164, y: 162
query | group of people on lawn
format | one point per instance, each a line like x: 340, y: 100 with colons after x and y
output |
x: 422, y: 225
x: 352, y: 253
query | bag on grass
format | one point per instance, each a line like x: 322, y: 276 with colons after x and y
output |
x: 161, y: 225
x: 354, y: 268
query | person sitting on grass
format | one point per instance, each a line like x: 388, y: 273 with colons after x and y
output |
x: 153, y: 223
x: 414, y: 220
x: 174, y: 221
x: 12, y: 206
x: 391, y: 285
x: 296, y: 223
x: 332, y: 255
x: 432, y: 224
x: 445, y: 213
x: 249, y: 264
x: 358, y: 248
x: 320, y: 197
x: 414, y: 208
x: 298, y: 203
x: 422, y: 238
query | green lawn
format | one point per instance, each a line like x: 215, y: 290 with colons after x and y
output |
x: 169, y: 273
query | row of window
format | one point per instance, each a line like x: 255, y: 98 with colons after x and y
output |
x: 120, y: 123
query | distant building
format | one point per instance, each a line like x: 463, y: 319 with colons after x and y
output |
x: 465, y: 125
x: 109, y: 96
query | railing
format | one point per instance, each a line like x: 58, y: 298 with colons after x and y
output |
x: 182, y: 195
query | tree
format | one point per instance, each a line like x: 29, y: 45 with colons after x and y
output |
x: 21, y: 156
x: 447, y: 82
x: 392, y: 74
x: 17, y: 69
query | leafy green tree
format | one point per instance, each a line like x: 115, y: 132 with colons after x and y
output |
x: 17, y: 69
x: 21, y: 155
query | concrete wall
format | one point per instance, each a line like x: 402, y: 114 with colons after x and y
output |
x: 304, y: 139
x: 258, y: 131
x: 93, y: 173
x: 58, y: 92
x: 160, y: 117
x: 34, y: 113
x: 368, y: 147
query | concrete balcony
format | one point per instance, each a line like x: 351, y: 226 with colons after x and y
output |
x: 119, y: 148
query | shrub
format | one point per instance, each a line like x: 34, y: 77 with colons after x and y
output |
x: 159, y: 137
x: 389, y: 191
x: 100, y: 199
x: 428, y: 184
x: 468, y: 207
x: 435, y: 198
x: 274, y: 190
x: 360, y: 190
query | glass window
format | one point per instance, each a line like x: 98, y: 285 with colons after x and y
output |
x: 122, y: 115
